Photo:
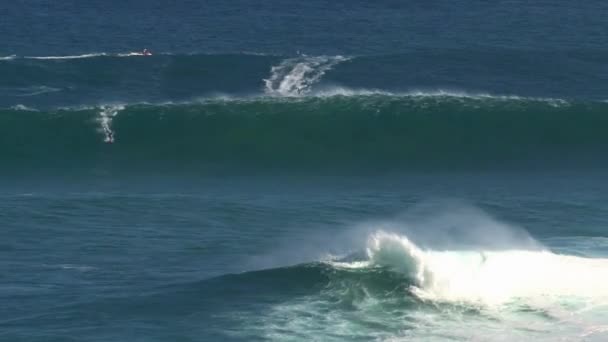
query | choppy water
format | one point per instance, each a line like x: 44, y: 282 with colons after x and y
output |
x: 303, y: 171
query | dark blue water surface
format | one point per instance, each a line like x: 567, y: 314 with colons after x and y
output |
x: 316, y: 170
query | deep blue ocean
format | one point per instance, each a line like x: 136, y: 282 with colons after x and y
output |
x: 304, y: 171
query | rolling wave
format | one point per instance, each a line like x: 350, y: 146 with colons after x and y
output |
x: 490, y: 277
x: 374, y: 129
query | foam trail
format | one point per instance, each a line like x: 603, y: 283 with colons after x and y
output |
x: 129, y: 54
x: 106, y: 115
x: 490, y: 277
x: 88, y: 55
x: 295, y: 76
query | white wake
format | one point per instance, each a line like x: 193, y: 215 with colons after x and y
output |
x: 296, y: 76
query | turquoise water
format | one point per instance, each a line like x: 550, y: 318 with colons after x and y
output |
x: 393, y: 171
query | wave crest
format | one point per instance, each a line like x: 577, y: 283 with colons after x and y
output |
x: 490, y: 277
x: 371, y: 131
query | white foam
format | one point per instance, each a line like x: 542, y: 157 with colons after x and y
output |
x: 491, y: 277
x: 106, y: 115
x: 7, y: 58
x: 438, y: 93
x: 295, y: 76
x: 129, y: 54
x: 23, y: 108
x: 88, y: 55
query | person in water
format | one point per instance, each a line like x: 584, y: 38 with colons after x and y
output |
x: 146, y: 52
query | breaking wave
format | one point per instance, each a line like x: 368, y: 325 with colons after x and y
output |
x: 489, y: 277
x: 398, y: 290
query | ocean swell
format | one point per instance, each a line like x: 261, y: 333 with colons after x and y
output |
x: 397, y: 130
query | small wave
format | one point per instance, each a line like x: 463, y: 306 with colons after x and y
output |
x: 75, y: 267
x: 296, y: 76
x: 23, y: 108
x: 81, y: 268
x: 8, y: 58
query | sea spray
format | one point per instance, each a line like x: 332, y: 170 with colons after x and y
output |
x: 490, y: 277
x: 296, y: 76
x: 106, y: 115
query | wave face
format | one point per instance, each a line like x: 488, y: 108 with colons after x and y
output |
x: 357, y: 129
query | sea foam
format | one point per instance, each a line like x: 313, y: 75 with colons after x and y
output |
x: 295, y: 76
x: 489, y: 277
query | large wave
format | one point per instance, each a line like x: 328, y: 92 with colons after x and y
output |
x: 358, y: 129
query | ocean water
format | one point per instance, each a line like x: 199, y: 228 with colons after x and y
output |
x: 296, y: 171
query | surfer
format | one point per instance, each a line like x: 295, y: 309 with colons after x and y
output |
x: 146, y: 52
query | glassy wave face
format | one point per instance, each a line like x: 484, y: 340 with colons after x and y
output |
x: 356, y: 128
